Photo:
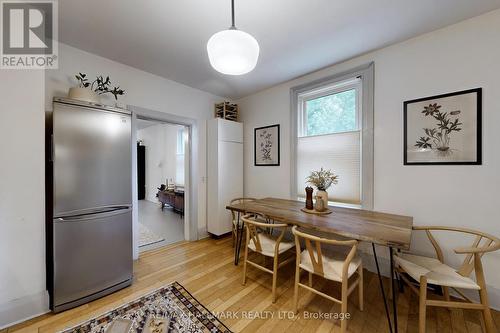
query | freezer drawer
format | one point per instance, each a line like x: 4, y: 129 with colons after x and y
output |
x: 91, y: 254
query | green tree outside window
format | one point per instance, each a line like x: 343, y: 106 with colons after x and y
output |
x: 332, y: 114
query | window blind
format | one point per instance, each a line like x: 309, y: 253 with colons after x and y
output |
x: 339, y: 152
x: 179, y: 169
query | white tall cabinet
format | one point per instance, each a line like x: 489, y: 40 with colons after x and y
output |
x: 224, y: 172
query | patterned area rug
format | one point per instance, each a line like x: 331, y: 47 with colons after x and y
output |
x: 168, y: 309
x: 147, y: 237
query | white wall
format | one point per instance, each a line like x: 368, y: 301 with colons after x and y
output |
x: 22, y: 237
x: 462, y: 56
x: 22, y: 205
x: 161, y: 156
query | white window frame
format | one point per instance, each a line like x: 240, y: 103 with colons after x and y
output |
x: 363, y: 78
x: 332, y: 89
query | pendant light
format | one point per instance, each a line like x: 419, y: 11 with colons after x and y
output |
x: 232, y: 51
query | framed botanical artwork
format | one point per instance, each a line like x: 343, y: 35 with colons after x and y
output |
x: 267, y: 145
x: 443, y: 129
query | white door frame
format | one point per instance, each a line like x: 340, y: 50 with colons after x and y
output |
x: 191, y: 171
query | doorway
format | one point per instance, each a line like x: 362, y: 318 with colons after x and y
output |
x: 160, y: 182
x: 191, y: 164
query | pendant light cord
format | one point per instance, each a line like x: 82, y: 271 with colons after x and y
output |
x: 232, y: 15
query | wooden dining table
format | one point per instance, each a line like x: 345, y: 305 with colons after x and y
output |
x: 384, y: 229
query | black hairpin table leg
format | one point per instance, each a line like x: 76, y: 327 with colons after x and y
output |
x: 239, y: 237
x: 382, y: 288
x: 394, y: 290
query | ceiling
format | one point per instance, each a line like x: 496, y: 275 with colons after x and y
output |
x: 168, y: 38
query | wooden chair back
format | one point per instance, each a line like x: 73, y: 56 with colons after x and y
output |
x: 313, y: 246
x: 239, y: 201
x: 482, y: 243
x: 255, y: 224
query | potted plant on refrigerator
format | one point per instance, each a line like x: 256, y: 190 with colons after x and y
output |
x: 90, y: 91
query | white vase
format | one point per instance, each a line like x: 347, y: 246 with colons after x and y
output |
x: 83, y: 94
x: 324, y: 197
x: 319, y: 206
x: 120, y: 105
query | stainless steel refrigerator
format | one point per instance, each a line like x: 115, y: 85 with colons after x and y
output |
x: 89, y: 202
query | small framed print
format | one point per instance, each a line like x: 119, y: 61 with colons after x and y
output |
x: 443, y: 129
x: 267, y: 145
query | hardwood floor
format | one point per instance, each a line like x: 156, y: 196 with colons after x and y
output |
x: 206, y: 269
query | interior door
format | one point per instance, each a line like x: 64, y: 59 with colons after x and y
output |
x: 141, y: 172
x: 230, y: 180
x: 92, y: 159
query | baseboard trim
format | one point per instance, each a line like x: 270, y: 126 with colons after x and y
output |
x: 22, y: 309
x: 202, y: 233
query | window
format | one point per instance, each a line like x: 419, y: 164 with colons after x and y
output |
x: 180, y: 141
x: 329, y: 117
x: 331, y: 113
x: 179, y: 169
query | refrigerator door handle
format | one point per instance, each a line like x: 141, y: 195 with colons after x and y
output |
x: 93, y: 216
x: 90, y: 211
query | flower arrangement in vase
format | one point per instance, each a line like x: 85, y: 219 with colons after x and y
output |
x: 322, y: 180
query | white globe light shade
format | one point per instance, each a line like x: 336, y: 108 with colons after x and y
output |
x: 233, y: 52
